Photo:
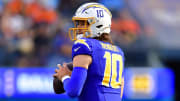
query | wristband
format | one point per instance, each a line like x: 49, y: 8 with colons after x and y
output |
x: 65, y: 77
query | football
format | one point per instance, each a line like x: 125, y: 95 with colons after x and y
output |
x: 57, y: 84
x: 70, y: 66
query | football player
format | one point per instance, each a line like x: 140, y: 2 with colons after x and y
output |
x: 97, y: 73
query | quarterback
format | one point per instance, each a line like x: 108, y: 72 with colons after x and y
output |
x: 98, y: 64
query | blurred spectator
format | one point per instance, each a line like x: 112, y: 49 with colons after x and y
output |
x: 15, y: 6
x: 42, y: 42
x: 125, y: 28
x: 40, y: 13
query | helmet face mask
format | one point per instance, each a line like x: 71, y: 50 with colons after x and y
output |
x: 96, y: 19
x: 76, y: 32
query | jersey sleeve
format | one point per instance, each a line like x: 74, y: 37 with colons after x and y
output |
x: 80, y: 47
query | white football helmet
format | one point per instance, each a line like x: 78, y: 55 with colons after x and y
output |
x: 97, y: 20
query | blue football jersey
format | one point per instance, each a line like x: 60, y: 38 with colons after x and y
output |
x: 105, y: 73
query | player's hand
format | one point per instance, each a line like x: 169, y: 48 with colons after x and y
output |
x: 62, y: 71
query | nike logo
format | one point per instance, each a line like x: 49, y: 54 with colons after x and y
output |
x: 77, y: 49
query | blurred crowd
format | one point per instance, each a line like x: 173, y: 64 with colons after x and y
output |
x: 35, y: 32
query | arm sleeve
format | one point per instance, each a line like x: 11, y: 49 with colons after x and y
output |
x: 74, y: 85
x: 80, y: 47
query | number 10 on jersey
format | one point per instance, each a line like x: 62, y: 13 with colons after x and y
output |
x: 113, y: 71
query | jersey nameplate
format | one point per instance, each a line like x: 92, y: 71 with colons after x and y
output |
x: 109, y: 47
